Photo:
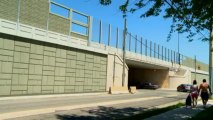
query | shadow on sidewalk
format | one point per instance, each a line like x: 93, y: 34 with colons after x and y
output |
x: 101, y: 113
x: 182, y: 113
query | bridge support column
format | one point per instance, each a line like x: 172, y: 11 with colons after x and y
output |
x: 114, y: 73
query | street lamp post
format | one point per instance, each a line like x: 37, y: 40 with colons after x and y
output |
x: 124, y: 52
x: 178, y: 48
x: 178, y: 44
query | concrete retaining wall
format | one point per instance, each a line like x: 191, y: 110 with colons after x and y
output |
x: 33, y: 67
x: 199, y: 77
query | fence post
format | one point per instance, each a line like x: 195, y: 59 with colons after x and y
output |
x: 165, y: 55
x: 158, y: 51
x: 109, y: 35
x: 136, y: 44
x: 174, y: 57
x: 117, y: 37
x: 130, y: 37
x: 168, y: 56
x: 70, y: 16
x: 48, y: 14
x: 90, y: 31
x: 178, y: 58
x: 171, y: 56
x: 162, y: 53
x: 146, y: 48
x: 18, y: 16
x: 150, y: 48
x: 100, y: 32
x: 141, y: 45
x: 154, y: 50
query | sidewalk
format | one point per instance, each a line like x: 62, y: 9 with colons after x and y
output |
x: 182, y: 113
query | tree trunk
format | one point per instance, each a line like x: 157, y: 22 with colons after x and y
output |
x: 210, y: 58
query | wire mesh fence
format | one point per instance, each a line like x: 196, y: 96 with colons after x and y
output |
x: 112, y: 36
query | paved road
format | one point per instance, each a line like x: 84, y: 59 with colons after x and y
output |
x: 111, y: 106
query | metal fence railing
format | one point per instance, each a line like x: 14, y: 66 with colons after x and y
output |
x: 79, y: 22
x: 108, y: 35
x: 114, y: 37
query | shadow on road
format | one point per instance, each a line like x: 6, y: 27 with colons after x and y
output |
x: 101, y: 113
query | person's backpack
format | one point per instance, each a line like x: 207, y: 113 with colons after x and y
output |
x: 189, y: 100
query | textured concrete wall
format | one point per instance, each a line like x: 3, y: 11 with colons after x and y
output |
x: 34, y: 13
x: 79, y: 36
x: 175, y: 81
x: 179, y: 77
x: 59, y: 24
x: 9, y: 9
x: 189, y: 62
x: 140, y: 76
x: 188, y: 78
x: 199, y: 77
x: 32, y: 67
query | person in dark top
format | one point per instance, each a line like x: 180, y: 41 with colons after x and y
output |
x: 204, y: 92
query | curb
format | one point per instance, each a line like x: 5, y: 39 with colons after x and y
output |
x: 50, y: 96
x: 170, y: 104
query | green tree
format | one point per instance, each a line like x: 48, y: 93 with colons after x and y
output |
x: 188, y: 16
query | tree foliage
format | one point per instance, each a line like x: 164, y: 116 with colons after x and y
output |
x: 188, y: 16
x: 105, y: 2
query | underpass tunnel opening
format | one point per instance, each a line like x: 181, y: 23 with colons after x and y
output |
x: 141, y: 73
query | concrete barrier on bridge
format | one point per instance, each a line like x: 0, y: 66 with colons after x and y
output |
x: 118, y: 90
x: 132, y: 89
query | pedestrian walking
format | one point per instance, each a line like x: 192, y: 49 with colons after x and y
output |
x: 189, y: 101
x: 194, y: 93
x: 205, y: 92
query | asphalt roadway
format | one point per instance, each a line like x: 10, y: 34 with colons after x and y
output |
x: 93, y: 106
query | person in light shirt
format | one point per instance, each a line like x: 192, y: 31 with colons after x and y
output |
x: 194, y: 93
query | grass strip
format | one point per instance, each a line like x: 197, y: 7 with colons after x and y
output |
x: 204, y: 115
x: 152, y: 112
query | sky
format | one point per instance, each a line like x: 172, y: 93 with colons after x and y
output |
x: 153, y: 29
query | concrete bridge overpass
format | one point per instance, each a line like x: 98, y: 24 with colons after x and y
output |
x: 166, y: 74
x: 45, y: 52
